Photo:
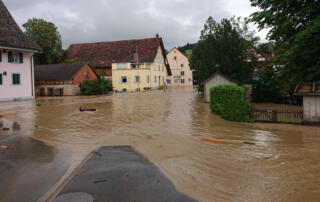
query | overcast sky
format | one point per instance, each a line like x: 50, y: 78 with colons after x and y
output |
x: 81, y: 21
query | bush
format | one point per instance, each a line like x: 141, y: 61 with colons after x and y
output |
x: 228, y: 101
x: 95, y: 87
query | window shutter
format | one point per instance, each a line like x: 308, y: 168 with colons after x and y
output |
x: 10, y: 58
x: 120, y: 79
x: 0, y: 79
x: 21, y: 58
x: 0, y: 56
x: 128, y: 80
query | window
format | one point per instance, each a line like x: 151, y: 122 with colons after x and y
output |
x: 148, y: 79
x: 175, y: 57
x: 155, y: 67
x: 134, y: 66
x: 0, y: 79
x: 122, y: 66
x: 168, y: 81
x: 137, y: 79
x: 159, y: 68
x: 14, y: 57
x: 182, y: 73
x: 182, y: 65
x: 16, y: 79
x: 155, y: 79
x: 162, y: 79
x: 162, y: 68
x: 123, y: 79
x: 87, y: 75
x: 182, y: 81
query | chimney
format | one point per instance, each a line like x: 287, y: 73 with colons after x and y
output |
x: 135, y: 57
x: 157, y: 35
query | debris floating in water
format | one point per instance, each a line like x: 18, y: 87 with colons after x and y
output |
x: 86, y: 110
x: 4, y: 147
x: 4, y: 129
x: 216, y: 142
x: 250, y: 143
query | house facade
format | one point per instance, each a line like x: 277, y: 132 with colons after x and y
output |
x: 16, y: 60
x: 136, y: 65
x: 182, y: 75
x: 311, y: 101
x: 62, y: 79
x: 220, y: 79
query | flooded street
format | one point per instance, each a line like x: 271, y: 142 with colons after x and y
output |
x: 168, y: 129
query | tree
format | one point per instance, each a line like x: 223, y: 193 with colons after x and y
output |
x: 223, y: 47
x: 268, y: 87
x: 295, y: 28
x: 46, y: 35
x: 266, y: 48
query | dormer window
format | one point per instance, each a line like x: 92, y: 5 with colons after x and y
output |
x: 15, y: 57
x: 175, y: 57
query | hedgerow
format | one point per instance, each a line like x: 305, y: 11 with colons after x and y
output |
x: 95, y: 87
x: 228, y: 101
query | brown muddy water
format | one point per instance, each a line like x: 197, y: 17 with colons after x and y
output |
x: 169, y: 128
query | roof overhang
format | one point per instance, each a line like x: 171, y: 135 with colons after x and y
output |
x: 20, y: 49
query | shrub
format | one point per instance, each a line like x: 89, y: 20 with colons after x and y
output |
x: 228, y: 101
x: 95, y: 87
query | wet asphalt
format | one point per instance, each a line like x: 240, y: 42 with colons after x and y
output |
x: 120, y: 174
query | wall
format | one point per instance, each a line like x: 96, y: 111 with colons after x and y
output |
x: 176, y: 69
x: 81, y: 75
x: 8, y: 91
x: 144, y: 70
x: 311, y: 109
x: 217, y: 80
x: 68, y: 90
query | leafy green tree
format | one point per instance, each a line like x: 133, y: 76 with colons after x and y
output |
x: 266, y: 48
x: 295, y: 28
x: 223, y: 47
x: 268, y: 87
x: 46, y: 35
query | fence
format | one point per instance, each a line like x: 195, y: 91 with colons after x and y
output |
x: 278, y: 116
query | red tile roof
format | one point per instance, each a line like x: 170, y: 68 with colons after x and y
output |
x: 103, y: 54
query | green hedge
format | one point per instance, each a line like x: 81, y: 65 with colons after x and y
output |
x: 228, y: 101
x: 95, y: 87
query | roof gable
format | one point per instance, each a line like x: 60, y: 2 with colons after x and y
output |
x: 178, y: 51
x: 11, y: 35
x: 57, y: 72
x: 223, y: 76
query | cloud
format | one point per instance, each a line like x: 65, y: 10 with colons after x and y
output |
x: 81, y: 21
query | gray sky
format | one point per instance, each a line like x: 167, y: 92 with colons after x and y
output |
x: 81, y: 21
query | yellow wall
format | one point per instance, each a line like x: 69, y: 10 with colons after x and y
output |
x: 144, y: 70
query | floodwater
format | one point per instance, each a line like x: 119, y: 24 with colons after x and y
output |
x: 168, y: 127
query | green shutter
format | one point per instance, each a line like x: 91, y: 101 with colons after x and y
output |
x: 0, y: 79
x: 0, y: 56
x: 21, y: 58
x: 10, y: 57
x: 16, y: 79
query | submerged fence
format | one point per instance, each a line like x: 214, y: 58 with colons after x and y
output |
x: 278, y: 116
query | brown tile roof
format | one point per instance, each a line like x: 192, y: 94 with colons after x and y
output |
x: 307, y: 88
x: 103, y: 54
x: 11, y: 35
x: 57, y: 72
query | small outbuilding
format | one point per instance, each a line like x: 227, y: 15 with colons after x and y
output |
x: 311, y: 101
x: 220, y: 79
x: 62, y: 79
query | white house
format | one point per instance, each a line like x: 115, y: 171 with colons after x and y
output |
x: 16, y: 60
x: 220, y: 79
x: 182, y: 75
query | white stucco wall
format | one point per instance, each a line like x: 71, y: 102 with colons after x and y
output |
x: 217, y: 80
x: 25, y: 90
x: 176, y: 59
x: 311, y: 109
